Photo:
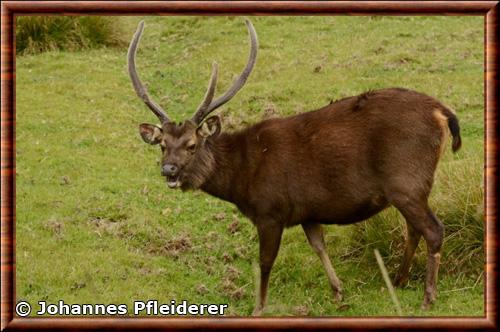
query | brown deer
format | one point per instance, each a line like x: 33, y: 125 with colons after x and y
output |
x: 340, y: 164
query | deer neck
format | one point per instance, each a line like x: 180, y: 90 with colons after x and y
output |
x: 227, y: 167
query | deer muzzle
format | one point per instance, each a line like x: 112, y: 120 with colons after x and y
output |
x: 171, y: 172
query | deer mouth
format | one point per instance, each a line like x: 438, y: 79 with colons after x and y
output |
x: 173, y: 181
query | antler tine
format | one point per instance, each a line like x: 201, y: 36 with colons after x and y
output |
x: 209, y: 95
x: 136, y: 82
x: 238, y: 83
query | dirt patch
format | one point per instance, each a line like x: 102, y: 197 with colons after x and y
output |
x: 242, y: 252
x: 65, y: 180
x: 232, y: 273
x: 219, y: 216
x: 78, y: 285
x: 270, y: 111
x: 227, y: 257
x: 182, y: 243
x: 237, y: 294
x: 234, y: 226
x: 202, y: 289
x: 173, y: 247
x: 56, y: 227
x: 106, y: 226
x: 210, y: 261
x: 177, y: 245
x: 318, y: 69
x: 230, y: 289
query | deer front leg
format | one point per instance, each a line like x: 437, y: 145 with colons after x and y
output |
x: 269, y: 242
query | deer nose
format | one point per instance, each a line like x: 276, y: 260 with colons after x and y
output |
x: 169, y: 170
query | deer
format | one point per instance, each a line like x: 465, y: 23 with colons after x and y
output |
x: 340, y: 164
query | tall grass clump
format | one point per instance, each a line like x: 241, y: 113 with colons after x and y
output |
x: 36, y: 34
x: 457, y: 200
x: 459, y: 203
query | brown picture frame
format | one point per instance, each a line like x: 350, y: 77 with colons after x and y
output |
x: 9, y: 9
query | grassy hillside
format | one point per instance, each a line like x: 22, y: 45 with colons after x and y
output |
x: 97, y: 224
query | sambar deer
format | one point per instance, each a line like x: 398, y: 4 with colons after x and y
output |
x: 340, y: 164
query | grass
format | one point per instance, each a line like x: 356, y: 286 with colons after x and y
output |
x: 35, y: 34
x: 96, y: 223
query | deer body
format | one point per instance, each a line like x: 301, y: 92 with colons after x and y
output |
x: 336, y: 165
x: 340, y: 164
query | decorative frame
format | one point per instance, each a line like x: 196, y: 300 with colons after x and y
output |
x: 9, y: 9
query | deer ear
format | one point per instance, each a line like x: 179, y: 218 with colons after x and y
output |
x: 209, y: 127
x: 150, y: 134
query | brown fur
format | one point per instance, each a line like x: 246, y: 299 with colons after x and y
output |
x: 316, y: 165
x: 340, y: 164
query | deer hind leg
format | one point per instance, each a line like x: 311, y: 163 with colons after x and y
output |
x: 418, y: 214
x: 269, y: 243
x: 413, y: 238
x: 314, y: 233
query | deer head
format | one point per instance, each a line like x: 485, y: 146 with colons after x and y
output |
x: 186, y: 157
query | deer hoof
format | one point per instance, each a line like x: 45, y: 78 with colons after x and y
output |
x: 338, y: 296
x: 257, y: 312
x: 427, y: 304
x: 429, y: 299
x: 400, y: 281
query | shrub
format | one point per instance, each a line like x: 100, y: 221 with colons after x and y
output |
x: 35, y: 34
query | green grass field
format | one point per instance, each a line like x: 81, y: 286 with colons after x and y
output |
x: 97, y: 224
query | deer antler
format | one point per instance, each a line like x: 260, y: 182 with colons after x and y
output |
x: 138, y: 86
x: 209, y: 95
x: 207, y: 106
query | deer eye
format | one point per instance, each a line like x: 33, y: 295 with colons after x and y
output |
x: 191, y: 147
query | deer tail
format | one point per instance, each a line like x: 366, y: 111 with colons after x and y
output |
x: 454, y: 127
